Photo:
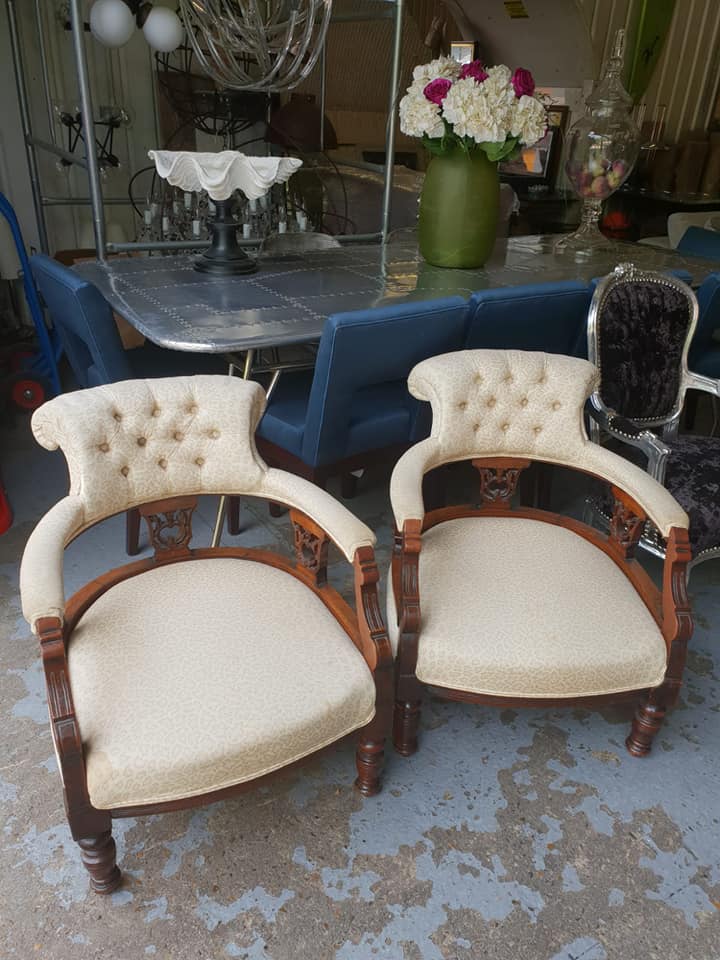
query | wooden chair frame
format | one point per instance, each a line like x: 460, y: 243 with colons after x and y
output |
x: 170, y: 529
x: 669, y: 607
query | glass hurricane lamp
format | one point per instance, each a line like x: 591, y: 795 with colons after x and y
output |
x: 602, y: 148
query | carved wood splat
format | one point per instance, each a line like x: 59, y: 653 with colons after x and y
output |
x: 170, y: 526
x: 311, y: 547
x: 499, y: 480
x: 626, y: 524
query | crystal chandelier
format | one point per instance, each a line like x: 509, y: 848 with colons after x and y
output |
x: 268, y: 45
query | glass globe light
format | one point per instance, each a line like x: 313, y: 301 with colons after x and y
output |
x: 163, y: 30
x: 112, y: 22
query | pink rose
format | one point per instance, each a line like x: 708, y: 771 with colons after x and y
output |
x: 523, y: 83
x: 437, y: 90
x: 474, y: 70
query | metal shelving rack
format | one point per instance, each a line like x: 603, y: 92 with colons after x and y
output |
x: 389, y: 9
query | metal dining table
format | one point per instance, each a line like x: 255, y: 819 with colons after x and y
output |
x: 288, y: 300
x: 290, y: 297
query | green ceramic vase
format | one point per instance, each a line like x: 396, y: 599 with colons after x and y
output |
x: 459, y: 208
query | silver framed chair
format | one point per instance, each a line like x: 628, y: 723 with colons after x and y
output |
x: 640, y: 327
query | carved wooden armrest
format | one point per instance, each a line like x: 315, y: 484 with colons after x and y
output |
x: 677, y: 616
x: 367, y: 627
x: 63, y: 721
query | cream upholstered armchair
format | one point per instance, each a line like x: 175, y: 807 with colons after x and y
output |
x: 492, y: 604
x: 180, y: 679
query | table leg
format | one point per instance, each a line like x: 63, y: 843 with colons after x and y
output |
x: 222, y: 505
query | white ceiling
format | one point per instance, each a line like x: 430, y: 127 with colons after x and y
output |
x: 553, y: 41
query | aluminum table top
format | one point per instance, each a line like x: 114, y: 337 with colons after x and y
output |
x: 289, y: 298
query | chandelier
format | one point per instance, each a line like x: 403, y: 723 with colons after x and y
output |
x: 269, y: 45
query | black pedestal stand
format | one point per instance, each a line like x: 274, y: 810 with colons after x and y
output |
x: 224, y: 256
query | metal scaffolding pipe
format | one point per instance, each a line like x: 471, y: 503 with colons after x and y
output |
x: 88, y: 114
x: 26, y: 124
x: 42, y: 50
x: 84, y: 201
x: 65, y: 155
x: 392, y: 121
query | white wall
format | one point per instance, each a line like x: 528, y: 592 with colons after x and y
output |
x: 118, y: 78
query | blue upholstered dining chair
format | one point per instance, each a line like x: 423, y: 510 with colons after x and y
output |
x: 699, y: 242
x: 550, y: 317
x: 355, y: 408
x: 85, y: 325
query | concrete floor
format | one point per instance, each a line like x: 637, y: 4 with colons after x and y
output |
x: 531, y: 836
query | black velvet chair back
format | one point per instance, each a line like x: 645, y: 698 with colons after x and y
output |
x: 639, y: 329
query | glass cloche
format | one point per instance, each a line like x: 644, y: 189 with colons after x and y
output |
x: 602, y: 148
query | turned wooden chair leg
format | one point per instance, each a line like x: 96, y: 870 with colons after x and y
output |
x: 647, y: 721
x: 405, y: 726
x: 233, y: 516
x: 369, y: 759
x: 132, y: 532
x: 99, y: 859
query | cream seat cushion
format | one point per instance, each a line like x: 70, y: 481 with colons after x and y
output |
x: 520, y: 608
x: 199, y: 675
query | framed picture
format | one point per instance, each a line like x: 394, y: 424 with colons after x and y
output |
x: 538, y: 165
x: 464, y: 51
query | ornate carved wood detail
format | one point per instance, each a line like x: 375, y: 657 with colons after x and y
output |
x: 499, y: 480
x: 373, y: 632
x: 677, y: 616
x: 170, y: 526
x: 626, y: 524
x: 311, y: 547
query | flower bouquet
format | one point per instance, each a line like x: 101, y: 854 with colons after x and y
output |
x: 470, y: 117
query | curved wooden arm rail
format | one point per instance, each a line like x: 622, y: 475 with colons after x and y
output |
x: 170, y: 526
x: 669, y: 607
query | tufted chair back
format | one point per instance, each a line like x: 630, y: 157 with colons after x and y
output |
x: 639, y: 329
x: 505, y: 403
x: 142, y: 440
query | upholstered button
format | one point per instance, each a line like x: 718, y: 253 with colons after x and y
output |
x: 478, y: 378
x: 141, y: 441
x: 556, y: 405
x: 155, y: 412
x: 505, y: 427
x: 476, y: 427
x: 214, y: 434
x: 199, y: 461
x: 462, y: 405
x: 542, y: 378
x: 177, y: 436
x: 508, y: 378
x: 104, y: 447
x: 125, y: 471
x: 192, y: 408
x: 524, y: 402
x: 491, y: 402
x: 537, y: 429
x: 117, y: 416
x: 162, y: 463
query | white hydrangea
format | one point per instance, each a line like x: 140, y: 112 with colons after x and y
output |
x: 471, y: 114
x: 418, y: 116
x: 529, y: 120
x: 487, y: 112
x: 442, y: 67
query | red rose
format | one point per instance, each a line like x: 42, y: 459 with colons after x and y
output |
x: 523, y: 83
x: 437, y: 90
x: 474, y: 70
